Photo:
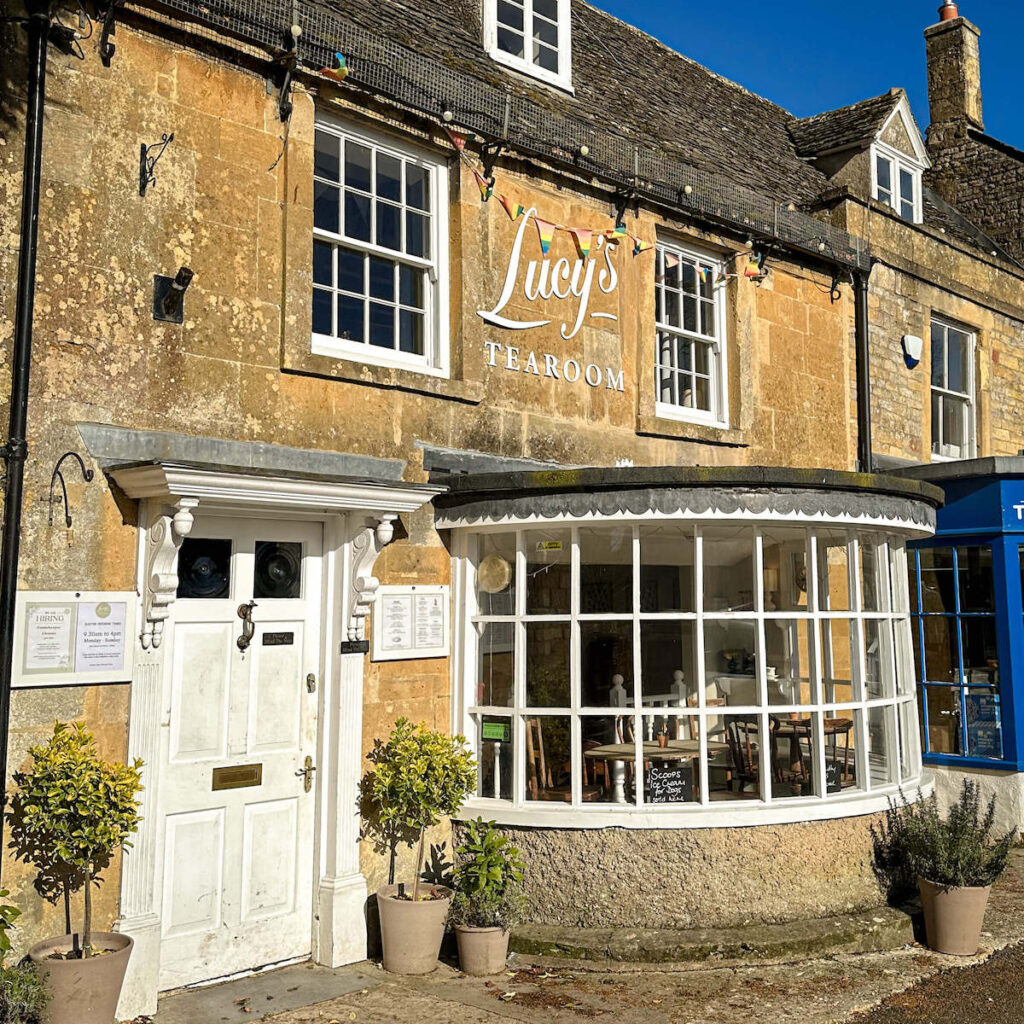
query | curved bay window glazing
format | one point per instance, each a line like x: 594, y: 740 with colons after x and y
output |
x: 687, y: 666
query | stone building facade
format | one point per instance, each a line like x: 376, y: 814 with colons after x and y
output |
x: 696, y: 322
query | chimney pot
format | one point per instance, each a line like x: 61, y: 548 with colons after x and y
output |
x: 948, y: 11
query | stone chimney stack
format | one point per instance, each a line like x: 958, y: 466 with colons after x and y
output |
x: 954, y: 69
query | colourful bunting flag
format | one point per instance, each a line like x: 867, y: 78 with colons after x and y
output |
x: 459, y: 139
x: 704, y: 271
x: 722, y: 277
x: 639, y: 246
x: 339, y: 71
x: 546, y: 232
x: 486, y: 187
x: 582, y: 237
x: 618, y: 231
x: 671, y: 260
x: 514, y: 210
x: 753, y: 269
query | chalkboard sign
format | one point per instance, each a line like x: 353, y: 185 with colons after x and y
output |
x: 670, y: 783
x: 833, y: 777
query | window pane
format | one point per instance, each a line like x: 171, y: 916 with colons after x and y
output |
x: 357, y: 166
x: 937, y: 424
x: 668, y: 664
x: 389, y: 177
x: 495, y: 665
x: 941, y: 657
x: 322, y: 263
x: 977, y: 589
x: 606, y: 658
x: 910, y: 745
x: 382, y: 278
x: 496, y: 574
x: 416, y: 237
x: 729, y: 660
x: 938, y: 355
x: 325, y: 155
x: 204, y: 568
x: 277, y: 572
x: 689, y: 314
x: 881, y: 745
x: 672, y: 772
x: 728, y: 568
x: 840, y: 751
x: 670, y: 310
x: 546, y: 57
x: 510, y: 42
x: 833, y: 571
x: 410, y: 286
x: 666, y: 569
x: 410, y: 332
x: 350, y: 271
x: 734, y: 773
x: 984, y: 725
x: 606, y: 570
x: 883, y: 169
x: 878, y: 658
x: 548, y: 758
x: 873, y: 576
x: 357, y: 216
x: 325, y: 207
x: 789, y: 660
x: 954, y: 421
x: 608, y: 759
x: 545, y: 31
x: 938, y: 587
x: 494, y: 757
x: 956, y: 354
x: 943, y: 719
x: 784, y: 555
x: 981, y: 653
x: 793, y: 755
x: 389, y: 226
x: 350, y: 318
x: 839, y: 657
x: 510, y: 14
x: 322, y: 302
x: 417, y: 181
x: 907, y: 210
x: 547, y: 664
x: 547, y: 572
x: 546, y: 8
x: 382, y: 325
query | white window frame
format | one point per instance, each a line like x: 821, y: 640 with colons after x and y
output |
x: 437, y: 345
x: 898, y: 162
x: 968, y: 396
x: 562, y: 80
x: 902, y: 765
x: 718, y: 415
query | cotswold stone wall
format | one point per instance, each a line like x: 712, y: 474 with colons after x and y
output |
x: 697, y: 878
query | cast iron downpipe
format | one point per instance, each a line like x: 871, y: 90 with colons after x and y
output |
x: 862, y: 333
x: 15, y: 450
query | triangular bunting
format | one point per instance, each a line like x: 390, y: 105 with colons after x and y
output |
x: 546, y: 232
x: 459, y: 139
x: 486, y: 187
x: 514, y: 210
x: 338, y: 71
x: 616, y: 232
x: 582, y: 237
x: 639, y: 246
x: 671, y: 260
x: 752, y: 269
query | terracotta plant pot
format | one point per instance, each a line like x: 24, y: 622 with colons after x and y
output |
x: 482, y: 951
x: 953, y: 916
x: 83, y: 991
x: 411, y: 933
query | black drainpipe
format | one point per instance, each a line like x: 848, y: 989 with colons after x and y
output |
x: 15, y: 450
x: 862, y: 327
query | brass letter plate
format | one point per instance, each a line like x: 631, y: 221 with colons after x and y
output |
x: 237, y: 776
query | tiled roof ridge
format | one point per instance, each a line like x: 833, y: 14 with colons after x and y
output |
x: 895, y: 93
x: 683, y: 57
x: 1005, y: 147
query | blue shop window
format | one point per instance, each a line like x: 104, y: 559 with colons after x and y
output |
x: 956, y: 650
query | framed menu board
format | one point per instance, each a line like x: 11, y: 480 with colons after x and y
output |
x: 411, y: 622
x: 72, y: 638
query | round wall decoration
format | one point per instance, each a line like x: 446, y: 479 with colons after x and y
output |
x: 493, y: 574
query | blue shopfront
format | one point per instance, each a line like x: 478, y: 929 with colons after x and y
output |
x: 968, y: 619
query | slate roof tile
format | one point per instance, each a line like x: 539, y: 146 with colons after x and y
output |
x: 847, y: 126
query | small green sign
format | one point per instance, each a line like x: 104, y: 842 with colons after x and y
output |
x: 496, y: 731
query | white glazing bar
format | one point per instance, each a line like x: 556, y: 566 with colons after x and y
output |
x: 702, y: 720
x: 575, y: 727
x: 766, y: 769
x: 638, y: 725
x: 519, y: 676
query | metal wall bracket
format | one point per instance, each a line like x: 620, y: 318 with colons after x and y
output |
x: 169, y: 296
x: 107, y: 48
x: 288, y: 64
x: 57, y: 475
x: 148, y: 156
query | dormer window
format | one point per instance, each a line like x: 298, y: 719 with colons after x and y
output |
x: 897, y: 182
x: 531, y: 36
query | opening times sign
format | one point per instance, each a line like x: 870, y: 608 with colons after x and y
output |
x: 67, y: 638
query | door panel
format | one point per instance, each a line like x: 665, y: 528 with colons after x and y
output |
x: 238, y: 823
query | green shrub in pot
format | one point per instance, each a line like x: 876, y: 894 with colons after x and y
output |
x: 489, y: 897
x: 954, y: 858
x: 71, y: 812
x: 418, y: 777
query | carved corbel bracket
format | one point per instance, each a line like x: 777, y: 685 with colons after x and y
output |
x: 169, y: 527
x: 364, y: 549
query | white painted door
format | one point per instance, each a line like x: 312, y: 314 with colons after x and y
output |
x: 237, y: 863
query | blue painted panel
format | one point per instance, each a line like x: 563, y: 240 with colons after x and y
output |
x: 972, y: 506
x: 1012, y: 502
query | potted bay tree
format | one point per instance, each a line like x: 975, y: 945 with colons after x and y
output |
x: 489, y: 899
x: 418, y: 777
x: 955, y: 859
x: 71, y: 812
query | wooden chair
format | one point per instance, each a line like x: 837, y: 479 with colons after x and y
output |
x: 540, y: 783
x: 743, y: 751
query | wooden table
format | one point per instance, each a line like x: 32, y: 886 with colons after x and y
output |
x: 796, y: 728
x: 618, y: 753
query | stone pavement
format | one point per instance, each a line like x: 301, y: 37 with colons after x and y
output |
x: 825, y: 990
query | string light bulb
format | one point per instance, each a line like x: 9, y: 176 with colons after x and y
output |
x: 447, y: 117
x: 584, y: 150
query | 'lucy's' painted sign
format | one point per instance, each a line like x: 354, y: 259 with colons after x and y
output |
x: 560, y: 280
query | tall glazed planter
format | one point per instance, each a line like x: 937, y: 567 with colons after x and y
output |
x: 70, y: 813
x: 418, y: 777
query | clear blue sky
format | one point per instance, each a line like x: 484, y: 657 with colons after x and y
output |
x: 813, y: 56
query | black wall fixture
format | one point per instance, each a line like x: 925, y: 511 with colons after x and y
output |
x: 57, y: 475
x: 148, y: 156
x: 169, y: 296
